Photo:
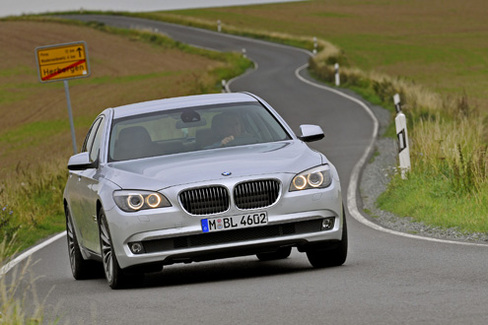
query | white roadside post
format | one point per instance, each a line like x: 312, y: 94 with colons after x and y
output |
x: 219, y: 26
x: 315, y: 46
x: 337, y: 77
x: 402, y: 135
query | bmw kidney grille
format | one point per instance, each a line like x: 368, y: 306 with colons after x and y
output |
x: 215, y: 199
x: 256, y: 194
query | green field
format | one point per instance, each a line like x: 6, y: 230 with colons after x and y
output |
x: 440, y: 44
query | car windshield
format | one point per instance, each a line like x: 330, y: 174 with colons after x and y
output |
x: 192, y: 129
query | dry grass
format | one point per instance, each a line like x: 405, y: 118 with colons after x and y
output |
x: 454, y: 149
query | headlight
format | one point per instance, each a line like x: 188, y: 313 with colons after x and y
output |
x: 131, y: 201
x: 318, y: 177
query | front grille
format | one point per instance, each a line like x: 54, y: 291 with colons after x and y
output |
x: 215, y: 199
x: 256, y: 194
x: 232, y: 236
x: 205, y: 200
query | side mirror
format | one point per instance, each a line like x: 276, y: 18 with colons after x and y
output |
x: 311, y: 133
x: 81, y: 161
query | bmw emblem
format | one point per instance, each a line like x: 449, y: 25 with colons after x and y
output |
x: 226, y: 173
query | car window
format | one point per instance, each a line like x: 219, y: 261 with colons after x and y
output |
x: 94, y: 150
x: 193, y: 129
x: 93, y: 138
x: 90, y: 135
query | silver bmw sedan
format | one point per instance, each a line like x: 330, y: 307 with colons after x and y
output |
x: 199, y: 178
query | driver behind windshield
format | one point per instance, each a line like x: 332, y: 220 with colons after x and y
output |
x: 228, y: 127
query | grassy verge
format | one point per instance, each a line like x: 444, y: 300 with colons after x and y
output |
x: 32, y: 211
x: 433, y: 200
x: 35, y: 138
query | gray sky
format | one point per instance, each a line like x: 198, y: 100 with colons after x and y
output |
x: 19, y: 7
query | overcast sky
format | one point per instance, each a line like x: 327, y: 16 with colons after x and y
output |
x: 19, y: 7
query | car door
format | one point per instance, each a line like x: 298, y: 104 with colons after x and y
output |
x: 83, y: 187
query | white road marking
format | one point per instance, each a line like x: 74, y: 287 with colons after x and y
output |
x: 7, y: 267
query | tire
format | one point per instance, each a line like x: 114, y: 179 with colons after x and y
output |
x: 280, y: 254
x: 329, y: 255
x: 82, y: 269
x: 115, y: 276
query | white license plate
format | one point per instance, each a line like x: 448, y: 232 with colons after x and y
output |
x: 234, y: 222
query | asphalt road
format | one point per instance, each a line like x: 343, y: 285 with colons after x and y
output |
x: 387, y: 279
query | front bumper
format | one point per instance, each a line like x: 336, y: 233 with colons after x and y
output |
x: 170, y: 235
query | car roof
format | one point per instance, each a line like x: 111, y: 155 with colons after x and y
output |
x: 180, y: 102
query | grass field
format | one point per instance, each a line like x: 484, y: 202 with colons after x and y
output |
x: 440, y: 44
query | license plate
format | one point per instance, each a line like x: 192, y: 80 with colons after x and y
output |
x: 234, y: 222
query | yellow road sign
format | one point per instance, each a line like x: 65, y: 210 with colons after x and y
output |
x: 62, y: 61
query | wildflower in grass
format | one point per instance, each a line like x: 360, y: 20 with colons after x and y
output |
x: 7, y: 227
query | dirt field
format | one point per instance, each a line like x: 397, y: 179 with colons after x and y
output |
x: 34, y: 120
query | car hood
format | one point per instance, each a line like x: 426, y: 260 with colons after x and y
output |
x: 208, y: 165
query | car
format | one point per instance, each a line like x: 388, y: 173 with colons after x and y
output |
x: 199, y: 178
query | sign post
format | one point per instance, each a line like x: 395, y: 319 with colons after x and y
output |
x: 63, y: 62
x: 70, y: 115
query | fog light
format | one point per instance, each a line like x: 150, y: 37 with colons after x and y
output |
x: 136, y: 248
x: 328, y: 223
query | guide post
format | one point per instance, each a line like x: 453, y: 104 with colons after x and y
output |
x: 337, y: 76
x: 402, y: 135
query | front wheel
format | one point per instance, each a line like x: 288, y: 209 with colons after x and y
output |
x: 113, y: 273
x: 81, y: 268
x: 330, y: 254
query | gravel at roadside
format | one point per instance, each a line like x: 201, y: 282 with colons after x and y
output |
x: 374, y: 181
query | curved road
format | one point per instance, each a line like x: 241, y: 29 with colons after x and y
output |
x: 387, y: 279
